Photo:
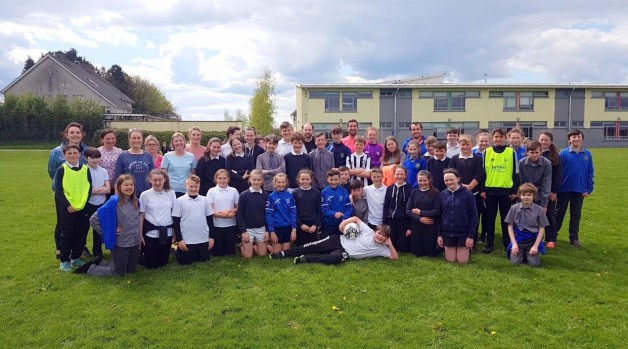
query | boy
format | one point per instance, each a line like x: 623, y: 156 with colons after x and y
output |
x: 322, y: 161
x: 340, y: 150
x: 270, y: 163
x: 296, y: 160
x: 526, y: 227
x: 484, y: 141
x: 284, y: 145
x: 100, y: 188
x: 192, y: 220
x: 336, y: 249
x: 537, y: 170
x: 250, y: 146
x: 430, y: 142
x: 375, y: 195
x: 360, y: 206
x: 344, y: 178
x: 372, y: 148
x: 359, y: 163
x: 453, y: 147
x: 335, y: 206
x: 73, y: 185
x: 438, y: 163
x: 577, y: 184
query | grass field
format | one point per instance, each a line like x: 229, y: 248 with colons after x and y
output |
x: 578, y: 299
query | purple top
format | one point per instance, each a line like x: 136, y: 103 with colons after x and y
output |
x: 375, y: 152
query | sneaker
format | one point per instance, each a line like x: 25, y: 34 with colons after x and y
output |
x: 299, y: 260
x: 551, y: 245
x: 482, y: 241
x: 86, y: 252
x: 77, y: 262
x: 488, y: 249
x: 66, y: 267
x: 276, y: 255
x: 575, y: 243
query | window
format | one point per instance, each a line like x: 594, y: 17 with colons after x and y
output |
x: 564, y: 93
x: 449, y: 100
x: 385, y: 125
x: 560, y: 123
x: 336, y: 101
x: 577, y: 123
x: 612, y: 100
x: 349, y: 101
x: 390, y: 93
x: 615, y: 130
x: 332, y: 101
x: 518, y: 101
x: 527, y: 127
x: 403, y: 125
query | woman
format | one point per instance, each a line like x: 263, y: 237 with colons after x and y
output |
x: 549, y: 151
x: 135, y: 162
x: 72, y: 134
x: 152, y: 147
x: 390, y: 159
x: 239, y: 166
x: 423, y: 208
x: 179, y: 164
x: 109, y: 153
x: 195, y: 147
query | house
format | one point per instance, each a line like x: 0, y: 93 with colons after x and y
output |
x: 54, y: 76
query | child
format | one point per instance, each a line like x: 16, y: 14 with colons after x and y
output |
x: 536, y: 170
x: 484, y: 141
x: 284, y: 146
x: 438, y: 163
x: 224, y: 202
x: 550, y: 152
x: 359, y: 163
x: 373, y: 149
x: 392, y: 157
x: 250, y: 146
x: 515, y: 141
x: 296, y: 160
x: 344, y: 178
x: 360, y: 206
x: 395, y: 202
x: 123, y: 211
x: 73, y: 185
x: 270, y: 163
x: 430, y: 142
x: 335, y: 206
x: 281, y: 213
x: 209, y: 164
x: 424, y: 209
x: 459, y: 219
x: 453, y: 147
x: 251, y: 218
x: 100, y: 189
x: 178, y: 163
x: 192, y: 221
x: 375, y: 195
x: 340, y: 150
x: 156, y: 206
x: 322, y: 161
x: 414, y: 163
x: 239, y: 165
x: 526, y: 227
x: 308, y: 201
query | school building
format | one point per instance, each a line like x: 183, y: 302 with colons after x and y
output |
x: 599, y: 110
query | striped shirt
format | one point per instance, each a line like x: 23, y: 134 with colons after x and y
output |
x: 359, y: 161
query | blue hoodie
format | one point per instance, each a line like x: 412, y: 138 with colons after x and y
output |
x: 577, y: 171
x: 459, y: 215
x: 281, y: 211
x: 335, y: 200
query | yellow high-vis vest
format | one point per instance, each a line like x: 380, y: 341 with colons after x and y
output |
x: 498, y: 168
x: 76, y: 186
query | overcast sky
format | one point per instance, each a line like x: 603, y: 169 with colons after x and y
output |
x: 206, y: 55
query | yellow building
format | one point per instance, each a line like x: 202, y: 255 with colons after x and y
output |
x: 599, y: 110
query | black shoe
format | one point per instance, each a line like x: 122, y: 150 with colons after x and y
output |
x: 98, y: 260
x: 58, y: 254
x: 482, y: 241
x: 276, y: 255
x: 83, y: 268
x: 86, y: 252
x: 575, y: 243
x: 488, y: 249
x: 299, y: 260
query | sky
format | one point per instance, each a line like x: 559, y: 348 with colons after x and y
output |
x: 207, y: 55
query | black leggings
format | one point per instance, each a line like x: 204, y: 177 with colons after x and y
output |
x: 326, y: 251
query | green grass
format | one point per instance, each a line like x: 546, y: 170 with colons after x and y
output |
x: 578, y: 299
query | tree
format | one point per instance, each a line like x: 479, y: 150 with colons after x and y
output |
x: 240, y: 116
x: 262, y: 105
x: 118, y: 78
x: 149, y: 99
x: 227, y: 116
x: 29, y: 63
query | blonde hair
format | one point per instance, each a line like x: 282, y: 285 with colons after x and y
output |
x: 174, y: 135
x: 465, y: 138
x: 280, y: 175
x: 150, y: 138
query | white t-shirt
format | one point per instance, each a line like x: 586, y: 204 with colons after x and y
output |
x: 283, y: 147
x: 223, y: 199
x: 194, y: 229
x: 157, y: 208
x: 375, y: 200
x: 99, y: 177
x: 364, y: 246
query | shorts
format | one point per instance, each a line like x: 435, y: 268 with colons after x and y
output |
x: 283, y: 234
x: 457, y: 241
x: 256, y: 234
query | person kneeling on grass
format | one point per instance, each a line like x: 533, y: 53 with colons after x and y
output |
x: 526, y: 227
x: 335, y: 249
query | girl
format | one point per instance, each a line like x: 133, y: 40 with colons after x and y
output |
x: 179, y: 163
x: 281, y: 215
x: 424, y: 210
x: 549, y: 151
x: 251, y: 218
x: 459, y: 219
x: 415, y: 163
x: 195, y: 134
x: 224, y: 202
x: 515, y: 140
x: 124, y: 209
x: 239, y: 165
x: 395, y: 202
x: 308, y: 201
x: 209, y: 164
x: 135, y: 162
x: 392, y: 157
x: 152, y: 146
x: 156, y: 219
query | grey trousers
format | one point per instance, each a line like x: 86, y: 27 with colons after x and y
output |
x: 124, y: 260
x: 524, y: 255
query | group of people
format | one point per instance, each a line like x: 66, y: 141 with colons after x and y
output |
x: 262, y: 195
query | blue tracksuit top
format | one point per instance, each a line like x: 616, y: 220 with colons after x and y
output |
x: 335, y: 200
x: 577, y: 171
x: 459, y: 215
x: 413, y: 166
x: 281, y: 210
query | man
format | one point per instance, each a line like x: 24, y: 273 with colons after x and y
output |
x: 232, y: 132
x: 336, y: 249
x: 285, y: 143
x: 416, y: 128
x: 308, y: 134
x: 352, y: 128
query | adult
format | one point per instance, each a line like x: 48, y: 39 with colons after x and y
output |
x: 308, y: 134
x: 109, y: 153
x: 152, y: 147
x: 179, y: 164
x: 164, y: 148
x: 284, y: 146
x: 352, y: 128
x: 72, y: 135
x: 135, y: 162
x: 250, y: 144
x: 194, y: 146
x: 416, y: 128
x: 232, y: 133
x: 550, y: 152
x: 239, y: 166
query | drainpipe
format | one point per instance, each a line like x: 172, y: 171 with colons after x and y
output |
x: 569, y: 112
x: 395, y: 115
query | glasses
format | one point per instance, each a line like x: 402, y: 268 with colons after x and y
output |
x: 152, y: 145
x: 131, y: 130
